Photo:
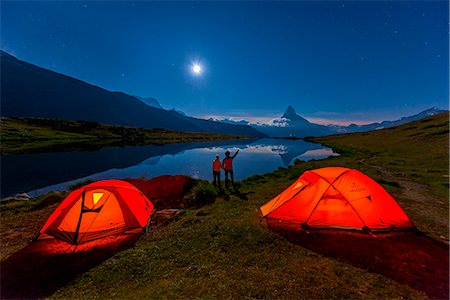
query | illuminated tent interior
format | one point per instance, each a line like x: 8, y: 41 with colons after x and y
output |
x: 98, y: 210
x: 336, y: 197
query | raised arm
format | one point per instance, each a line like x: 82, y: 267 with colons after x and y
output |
x: 235, y: 154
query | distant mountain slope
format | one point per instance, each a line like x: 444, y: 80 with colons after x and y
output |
x: 150, y: 101
x: 385, y: 124
x: 31, y: 91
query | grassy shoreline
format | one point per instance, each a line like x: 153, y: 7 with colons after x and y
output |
x: 221, y: 250
x: 27, y: 135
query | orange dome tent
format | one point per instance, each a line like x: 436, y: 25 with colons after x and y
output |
x: 98, y: 210
x: 337, y: 197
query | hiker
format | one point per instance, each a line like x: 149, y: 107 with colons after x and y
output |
x: 227, y: 165
x: 216, y: 166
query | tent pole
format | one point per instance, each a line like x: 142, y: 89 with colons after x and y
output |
x: 75, y: 238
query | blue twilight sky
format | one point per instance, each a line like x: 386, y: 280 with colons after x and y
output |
x: 332, y: 60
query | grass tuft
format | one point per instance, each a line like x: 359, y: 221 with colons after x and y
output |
x: 202, y: 193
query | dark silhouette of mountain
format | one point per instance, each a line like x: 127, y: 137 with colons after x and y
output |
x: 31, y: 91
x: 150, y: 101
x: 291, y: 115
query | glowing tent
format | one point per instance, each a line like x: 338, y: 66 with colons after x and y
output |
x: 337, y: 197
x: 98, y: 210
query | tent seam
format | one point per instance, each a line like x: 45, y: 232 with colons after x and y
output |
x: 321, y: 196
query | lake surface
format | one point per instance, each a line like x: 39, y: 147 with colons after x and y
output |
x: 42, y: 172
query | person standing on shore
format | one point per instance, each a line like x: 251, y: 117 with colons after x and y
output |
x: 227, y: 165
x: 216, y: 166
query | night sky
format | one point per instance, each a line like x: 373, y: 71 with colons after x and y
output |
x: 341, y: 60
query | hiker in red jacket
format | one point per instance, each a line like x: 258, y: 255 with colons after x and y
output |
x: 216, y: 166
x: 227, y: 165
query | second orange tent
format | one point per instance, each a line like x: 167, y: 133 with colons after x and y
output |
x: 336, y: 197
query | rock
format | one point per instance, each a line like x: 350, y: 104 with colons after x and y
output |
x: 168, y: 213
x: 17, y: 197
x: 165, y: 216
x: 201, y: 214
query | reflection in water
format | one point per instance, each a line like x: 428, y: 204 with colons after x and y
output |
x: 316, y: 154
x: 40, y: 173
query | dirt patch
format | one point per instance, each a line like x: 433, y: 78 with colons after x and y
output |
x: 420, y: 204
x: 409, y: 258
x: 44, y: 266
x: 17, y: 229
x: 165, y: 191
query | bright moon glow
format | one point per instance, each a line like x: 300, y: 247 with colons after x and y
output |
x: 196, y: 69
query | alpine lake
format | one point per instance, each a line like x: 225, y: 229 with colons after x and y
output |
x: 39, y: 173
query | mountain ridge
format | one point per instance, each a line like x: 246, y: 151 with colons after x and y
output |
x: 31, y: 91
x: 290, y: 124
x: 387, y: 123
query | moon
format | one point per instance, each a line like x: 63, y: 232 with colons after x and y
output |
x: 197, y: 69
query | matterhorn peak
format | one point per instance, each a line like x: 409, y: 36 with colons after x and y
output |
x: 290, y: 113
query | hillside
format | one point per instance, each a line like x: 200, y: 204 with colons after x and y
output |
x: 34, y: 92
x: 417, y: 150
x: 222, y: 250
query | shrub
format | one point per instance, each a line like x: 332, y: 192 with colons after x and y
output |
x: 202, y: 193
